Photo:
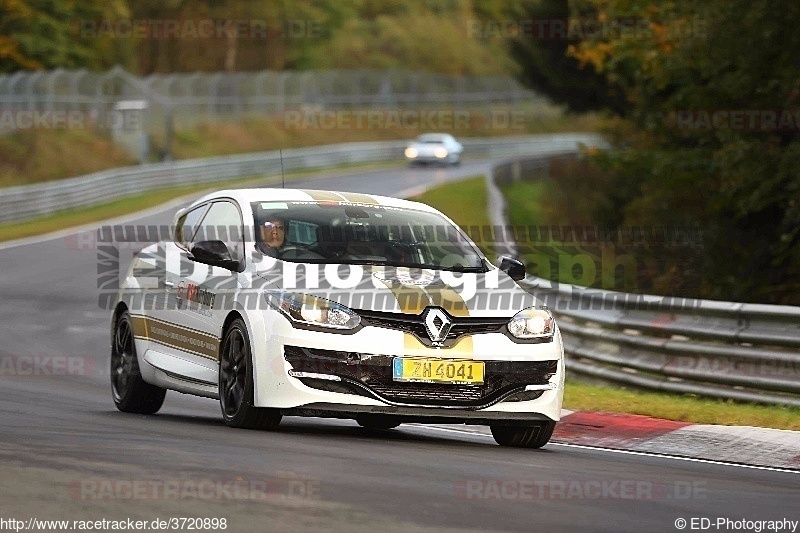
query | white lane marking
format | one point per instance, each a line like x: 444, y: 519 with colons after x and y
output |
x: 626, y: 452
x: 678, y: 458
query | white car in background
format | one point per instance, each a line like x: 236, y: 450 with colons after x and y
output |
x: 370, y: 308
x: 439, y: 148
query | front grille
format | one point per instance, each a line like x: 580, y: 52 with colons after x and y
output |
x: 415, y: 325
x: 432, y: 393
x: 371, y: 375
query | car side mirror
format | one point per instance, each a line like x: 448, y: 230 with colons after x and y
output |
x: 214, y: 253
x: 514, y: 268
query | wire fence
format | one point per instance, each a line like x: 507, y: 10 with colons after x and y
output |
x: 245, y: 93
x: 132, y: 109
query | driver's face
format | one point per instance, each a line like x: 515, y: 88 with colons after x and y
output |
x: 273, y: 233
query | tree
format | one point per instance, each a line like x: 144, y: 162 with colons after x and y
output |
x: 46, y: 34
x: 701, y: 65
x: 540, y: 49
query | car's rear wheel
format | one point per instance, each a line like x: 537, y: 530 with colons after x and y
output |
x: 377, y: 422
x: 236, y: 382
x: 524, y: 437
x: 131, y: 393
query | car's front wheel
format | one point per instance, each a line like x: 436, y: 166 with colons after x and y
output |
x: 130, y: 392
x: 524, y: 437
x: 236, y: 382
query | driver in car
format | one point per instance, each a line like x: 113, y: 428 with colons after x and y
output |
x: 273, y: 235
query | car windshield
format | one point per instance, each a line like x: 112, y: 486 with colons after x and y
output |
x: 431, y: 139
x: 345, y: 233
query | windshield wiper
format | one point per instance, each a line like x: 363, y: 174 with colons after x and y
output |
x: 376, y: 262
x: 428, y: 266
x: 468, y: 269
x: 450, y: 268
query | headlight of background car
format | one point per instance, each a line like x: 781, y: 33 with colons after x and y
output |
x: 532, y: 323
x: 440, y: 152
x: 411, y: 152
x: 305, y: 309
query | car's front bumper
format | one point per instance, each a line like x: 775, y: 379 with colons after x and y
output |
x: 275, y: 386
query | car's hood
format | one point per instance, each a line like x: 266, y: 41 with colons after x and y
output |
x: 402, y: 290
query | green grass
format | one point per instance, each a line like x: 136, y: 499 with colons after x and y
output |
x: 526, y: 201
x: 465, y: 203
x: 37, y: 155
x: 688, y: 408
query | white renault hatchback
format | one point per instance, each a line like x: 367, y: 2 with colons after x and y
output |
x: 345, y: 305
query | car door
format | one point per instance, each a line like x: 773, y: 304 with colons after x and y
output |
x: 156, y: 319
x: 202, y: 291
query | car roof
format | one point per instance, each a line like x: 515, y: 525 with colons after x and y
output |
x: 247, y: 196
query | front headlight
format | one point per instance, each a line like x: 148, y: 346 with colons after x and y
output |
x: 411, y: 152
x: 532, y: 323
x: 440, y: 152
x: 313, y: 311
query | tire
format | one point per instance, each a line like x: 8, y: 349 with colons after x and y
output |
x: 377, y: 422
x: 523, y: 437
x: 236, y: 383
x: 130, y: 392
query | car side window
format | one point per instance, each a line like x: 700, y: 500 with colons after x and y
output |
x: 223, y: 222
x: 187, y: 225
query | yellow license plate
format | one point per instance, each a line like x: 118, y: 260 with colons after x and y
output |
x: 437, y: 370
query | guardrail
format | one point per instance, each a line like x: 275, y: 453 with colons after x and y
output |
x: 729, y: 350
x: 28, y: 201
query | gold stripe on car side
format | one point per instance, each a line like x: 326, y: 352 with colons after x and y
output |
x: 175, y: 336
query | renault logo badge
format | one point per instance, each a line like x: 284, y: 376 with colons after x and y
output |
x: 438, y: 324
